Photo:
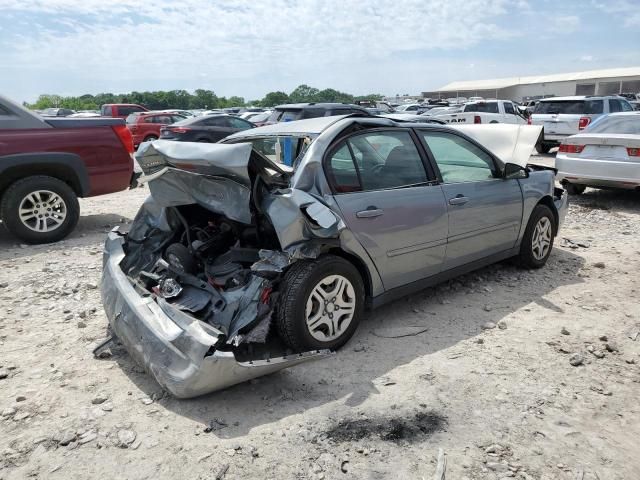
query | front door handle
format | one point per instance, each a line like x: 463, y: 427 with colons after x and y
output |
x: 458, y: 200
x: 370, y: 213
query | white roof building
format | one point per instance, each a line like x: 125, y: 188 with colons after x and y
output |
x: 593, y: 82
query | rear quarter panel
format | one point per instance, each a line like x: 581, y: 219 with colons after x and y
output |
x: 540, y: 184
x: 108, y: 165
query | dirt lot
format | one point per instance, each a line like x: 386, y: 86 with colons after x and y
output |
x: 490, y: 380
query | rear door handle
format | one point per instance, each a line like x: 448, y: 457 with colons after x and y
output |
x: 370, y: 213
x: 459, y: 200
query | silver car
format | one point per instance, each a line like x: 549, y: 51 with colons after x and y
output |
x: 266, y: 250
x: 561, y: 117
x: 606, y: 155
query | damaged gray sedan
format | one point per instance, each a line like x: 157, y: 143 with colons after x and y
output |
x: 264, y: 251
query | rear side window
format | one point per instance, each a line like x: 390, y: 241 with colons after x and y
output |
x: 314, y: 112
x: 127, y: 110
x: 614, y: 106
x: 570, y: 107
x: 4, y: 112
x: 374, y: 161
x: 214, y: 122
x: 239, y: 123
x: 290, y: 115
x: 626, y: 124
x: 106, y: 111
x: 485, y: 107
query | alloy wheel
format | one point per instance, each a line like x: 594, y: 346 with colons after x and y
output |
x: 42, y: 211
x: 541, y: 239
x: 330, y: 308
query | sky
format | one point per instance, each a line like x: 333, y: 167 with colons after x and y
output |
x: 248, y: 48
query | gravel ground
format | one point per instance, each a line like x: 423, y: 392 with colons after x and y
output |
x: 525, y: 374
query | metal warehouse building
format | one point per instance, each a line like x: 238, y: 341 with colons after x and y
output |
x: 594, y: 82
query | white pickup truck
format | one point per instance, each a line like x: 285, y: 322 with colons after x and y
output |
x: 484, y: 111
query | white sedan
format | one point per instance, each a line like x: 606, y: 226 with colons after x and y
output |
x: 605, y: 155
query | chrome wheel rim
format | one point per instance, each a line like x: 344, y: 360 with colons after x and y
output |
x: 541, y: 240
x: 330, y: 308
x: 42, y: 211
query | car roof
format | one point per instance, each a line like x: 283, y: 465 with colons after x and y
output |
x: 319, y: 104
x: 315, y: 126
x: 578, y: 97
x: 624, y: 114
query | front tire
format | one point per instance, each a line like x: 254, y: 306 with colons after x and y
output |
x: 40, y: 209
x: 539, y: 235
x: 320, y: 305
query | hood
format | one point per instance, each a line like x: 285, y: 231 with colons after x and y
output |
x: 510, y: 143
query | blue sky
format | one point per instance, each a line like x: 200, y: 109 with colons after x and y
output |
x: 247, y: 48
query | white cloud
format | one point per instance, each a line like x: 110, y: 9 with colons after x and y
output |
x: 626, y: 10
x: 586, y: 58
x: 270, y: 40
x: 564, y: 24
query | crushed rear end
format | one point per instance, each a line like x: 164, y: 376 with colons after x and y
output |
x: 191, y: 288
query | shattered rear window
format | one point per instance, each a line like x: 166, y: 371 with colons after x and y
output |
x: 282, y: 150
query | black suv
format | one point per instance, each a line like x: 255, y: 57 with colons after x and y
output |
x: 301, y: 111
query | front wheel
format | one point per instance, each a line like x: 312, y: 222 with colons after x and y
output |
x: 320, y: 305
x: 40, y: 209
x: 538, y: 238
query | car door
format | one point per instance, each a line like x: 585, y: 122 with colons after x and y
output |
x: 213, y: 129
x: 485, y: 210
x: 390, y: 203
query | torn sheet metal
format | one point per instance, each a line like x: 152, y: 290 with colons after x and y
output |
x: 298, y: 216
x: 510, y: 143
x: 216, y: 159
x: 179, y: 350
x: 218, y: 194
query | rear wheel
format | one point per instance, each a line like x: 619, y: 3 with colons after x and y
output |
x: 574, y: 188
x: 40, y: 209
x: 543, y: 147
x: 150, y: 138
x: 320, y: 304
x: 538, y: 238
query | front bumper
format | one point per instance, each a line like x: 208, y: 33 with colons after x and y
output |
x: 174, y: 347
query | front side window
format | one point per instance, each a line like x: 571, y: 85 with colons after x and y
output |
x: 459, y: 160
x: 626, y: 106
x: 626, y: 124
x: 376, y: 160
x: 508, y: 108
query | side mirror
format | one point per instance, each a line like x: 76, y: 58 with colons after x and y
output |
x: 513, y: 170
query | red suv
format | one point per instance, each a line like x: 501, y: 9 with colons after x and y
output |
x: 146, y: 126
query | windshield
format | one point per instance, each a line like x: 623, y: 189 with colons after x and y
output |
x: 625, y: 124
x: 571, y: 107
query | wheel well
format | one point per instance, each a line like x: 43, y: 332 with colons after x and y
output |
x: 59, y: 171
x: 360, y: 266
x: 548, y: 201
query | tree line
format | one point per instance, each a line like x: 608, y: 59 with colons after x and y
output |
x: 200, y: 98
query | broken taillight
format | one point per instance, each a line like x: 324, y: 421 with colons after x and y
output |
x: 264, y: 296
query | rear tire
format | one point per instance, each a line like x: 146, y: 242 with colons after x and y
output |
x: 320, y: 305
x: 575, y: 188
x: 538, y: 238
x: 40, y: 209
x: 150, y: 138
x: 543, y: 147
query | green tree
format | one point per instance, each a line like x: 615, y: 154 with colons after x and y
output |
x: 272, y: 99
x: 303, y: 93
